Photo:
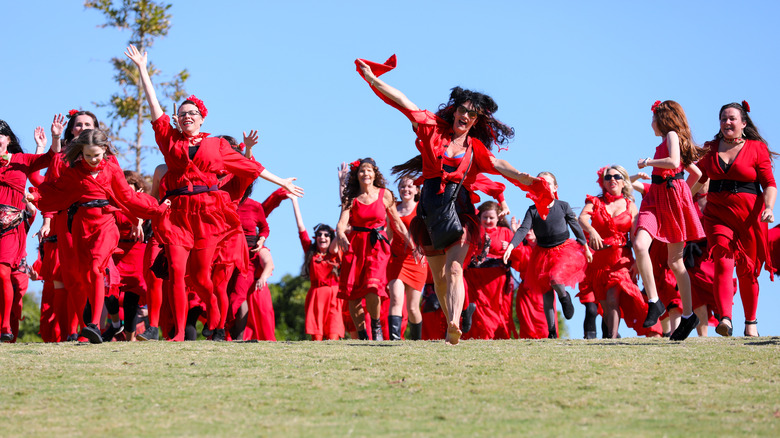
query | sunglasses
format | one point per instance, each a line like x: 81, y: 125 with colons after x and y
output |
x: 615, y: 177
x: 322, y: 234
x: 471, y: 113
x: 192, y: 113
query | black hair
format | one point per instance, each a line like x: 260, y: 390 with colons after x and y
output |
x: 13, y: 147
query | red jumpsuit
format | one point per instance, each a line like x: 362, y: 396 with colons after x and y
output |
x: 611, y: 266
x: 13, y: 178
x: 735, y: 234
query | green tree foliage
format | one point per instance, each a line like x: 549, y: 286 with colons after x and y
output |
x: 289, y: 297
x: 147, y: 20
x: 30, y: 324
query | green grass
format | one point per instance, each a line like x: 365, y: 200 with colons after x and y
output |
x: 634, y: 387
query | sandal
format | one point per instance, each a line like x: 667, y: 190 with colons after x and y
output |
x: 753, y: 322
x: 724, y: 329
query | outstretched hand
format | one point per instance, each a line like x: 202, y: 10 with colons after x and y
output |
x: 58, y: 125
x: 503, y: 209
x: 138, y: 58
x: 292, y: 188
x: 343, y: 171
x: 40, y: 137
x: 251, y: 139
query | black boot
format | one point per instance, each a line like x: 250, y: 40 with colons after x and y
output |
x: 654, y: 311
x: 362, y: 335
x: 376, y: 329
x: 566, y: 304
x: 415, y: 331
x: 394, y: 324
x: 591, y: 334
x: 685, y: 328
x: 466, y: 317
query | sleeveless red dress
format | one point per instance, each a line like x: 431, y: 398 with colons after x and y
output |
x: 402, y: 265
x: 364, y: 269
x: 668, y: 212
x: 611, y: 266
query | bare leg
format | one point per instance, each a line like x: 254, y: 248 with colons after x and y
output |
x: 413, y: 304
x: 677, y: 266
x: 644, y: 265
x: 674, y: 319
x: 701, y: 312
x: 612, y: 312
x: 358, y: 315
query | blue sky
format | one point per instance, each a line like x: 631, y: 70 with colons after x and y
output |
x: 575, y: 80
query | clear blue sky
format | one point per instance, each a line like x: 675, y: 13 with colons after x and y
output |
x: 575, y: 79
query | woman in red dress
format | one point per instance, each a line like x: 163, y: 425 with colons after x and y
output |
x: 15, y: 166
x: 489, y: 282
x: 365, y: 207
x: 463, y: 126
x: 608, y: 219
x: 200, y: 216
x: 323, y: 306
x: 740, y: 201
x: 668, y: 213
x: 407, y: 270
x: 91, y: 189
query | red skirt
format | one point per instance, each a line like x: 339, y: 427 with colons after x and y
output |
x: 407, y: 270
x: 530, y: 314
x: 488, y: 288
x: 198, y: 221
x: 564, y: 264
x: 323, y: 311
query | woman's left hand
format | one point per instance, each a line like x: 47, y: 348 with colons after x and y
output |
x: 503, y: 209
x: 292, y: 188
x: 767, y: 216
x: 40, y: 137
x: 259, y: 245
x: 366, y: 70
x: 508, y: 252
x: 251, y: 139
x: 588, y: 254
x: 642, y: 163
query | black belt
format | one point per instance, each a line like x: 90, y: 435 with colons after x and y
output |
x: 184, y: 191
x: 730, y: 185
x: 375, y: 234
x: 489, y: 263
x: 52, y: 239
x: 95, y: 203
x: 552, y: 241
x: 658, y: 179
x: 127, y: 241
x: 251, y: 241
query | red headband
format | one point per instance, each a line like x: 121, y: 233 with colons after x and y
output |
x: 655, y: 105
x: 199, y: 103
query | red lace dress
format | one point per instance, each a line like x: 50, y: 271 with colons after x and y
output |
x: 611, y: 266
x: 668, y: 212
x: 364, y: 267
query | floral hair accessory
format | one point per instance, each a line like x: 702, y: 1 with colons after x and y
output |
x: 241, y: 146
x: 354, y: 165
x: 72, y: 113
x: 601, y: 175
x: 655, y: 105
x: 357, y: 163
x: 199, y: 103
x: 746, y: 106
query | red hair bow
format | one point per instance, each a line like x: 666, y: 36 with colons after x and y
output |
x: 655, y: 105
x: 354, y: 165
x: 746, y: 106
x: 199, y: 103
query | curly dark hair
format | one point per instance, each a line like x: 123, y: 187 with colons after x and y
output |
x: 313, y: 250
x: 137, y: 180
x: 487, y: 129
x: 352, y: 185
x: 750, y: 132
x: 13, y: 146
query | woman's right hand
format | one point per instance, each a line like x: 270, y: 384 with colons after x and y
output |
x: 138, y: 58
x: 595, y: 241
x: 508, y: 252
x: 342, y: 241
x: 292, y: 188
x: 58, y: 126
x: 366, y: 70
x: 44, y: 231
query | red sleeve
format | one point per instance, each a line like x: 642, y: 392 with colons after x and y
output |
x: 139, y: 205
x: 764, y: 167
x: 36, y: 178
x: 238, y: 164
x: 39, y: 161
x: 53, y: 196
x: 263, y: 230
x: 305, y: 240
x: 492, y: 188
x: 274, y: 200
x: 163, y: 133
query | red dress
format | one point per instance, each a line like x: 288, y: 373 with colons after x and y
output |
x: 254, y: 225
x: 529, y: 306
x: 364, y: 267
x: 490, y: 287
x: 130, y: 261
x: 323, y: 306
x: 611, y: 266
x: 402, y: 264
x: 668, y: 212
x: 200, y: 220
x: 13, y: 178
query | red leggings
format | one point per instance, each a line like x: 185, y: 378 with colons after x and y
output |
x: 196, y: 263
x: 154, y: 285
x: 7, y: 298
x: 724, y: 284
x: 221, y: 278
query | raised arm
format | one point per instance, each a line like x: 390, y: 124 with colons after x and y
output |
x: 298, y: 217
x: 140, y: 60
x: 287, y: 184
x: 380, y: 86
x: 506, y: 169
x: 249, y: 142
x: 57, y: 128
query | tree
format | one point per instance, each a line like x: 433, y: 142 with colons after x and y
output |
x: 147, y: 20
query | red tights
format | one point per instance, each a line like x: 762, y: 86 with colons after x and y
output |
x: 196, y: 262
x: 724, y: 284
x: 221, y: 278
x: 7, y: 298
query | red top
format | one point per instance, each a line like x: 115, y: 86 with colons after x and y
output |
x: 752, y: 163
x: 214, y: 157
x: 13, y: 177
x: 497, y: 236
x: 613, y: 230
x: 321, y: 267
x: 253, y: 220
x: 661, y: 152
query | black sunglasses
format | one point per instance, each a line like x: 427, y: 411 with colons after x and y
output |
x: 615, y: 177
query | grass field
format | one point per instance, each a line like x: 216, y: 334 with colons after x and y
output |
x: 635, y: 387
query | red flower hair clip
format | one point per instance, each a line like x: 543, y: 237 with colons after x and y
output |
x: 199, y: 103
x: 354, y: 165
x: 601, y: 175
x: 655, y: 105
x: 72, y: 113
x: 746, y: 106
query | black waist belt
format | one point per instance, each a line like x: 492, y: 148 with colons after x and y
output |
x: 251, y: 241
x: 490, y: 263
x: 376, y: 235
x: 552, y: 241
x: 96, y: 203
x: 658, y: 179
x: 51, y: 239
x: 184, y: 191
x: 730, y: 185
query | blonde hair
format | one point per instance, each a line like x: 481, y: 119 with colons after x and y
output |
x: 628, y: 188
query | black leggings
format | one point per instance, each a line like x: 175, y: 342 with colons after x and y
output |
x: 591, y: 312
